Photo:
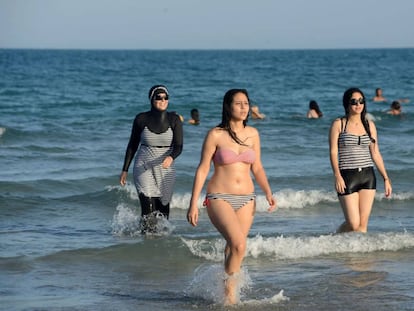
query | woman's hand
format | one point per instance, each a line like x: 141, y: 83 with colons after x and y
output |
x: 122, y: 178
x: 340, y: 184
x: 192, y: 215
x: 167, y: 162
x: 272, y: 203
x: 387, y: 187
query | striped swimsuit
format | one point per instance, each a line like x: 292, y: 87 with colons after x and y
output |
x: 150, y: 177
x: 235, y: 200
x: 355, y: 162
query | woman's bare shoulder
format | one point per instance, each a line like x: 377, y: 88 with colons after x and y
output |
x: 251, y: 130
x: 372, y: 125
x: 337, y: 122
x: 215, y: 133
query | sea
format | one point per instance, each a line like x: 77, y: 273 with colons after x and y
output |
x: 70, y: 235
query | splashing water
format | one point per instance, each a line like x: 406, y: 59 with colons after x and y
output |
x: 208, y: 283
x: 126, y: 222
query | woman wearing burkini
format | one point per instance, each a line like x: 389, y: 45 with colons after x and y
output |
x: 354, y: 150
x: 159, y: 135
x: 234, y: 149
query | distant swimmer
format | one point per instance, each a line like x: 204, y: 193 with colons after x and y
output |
x: 395, y: 108
x: 314, y: 111
x: 195, y: 117
x: 378, y: 96
x: 255, y: 113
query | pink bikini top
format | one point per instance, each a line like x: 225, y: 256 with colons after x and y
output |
x: 227, y: 156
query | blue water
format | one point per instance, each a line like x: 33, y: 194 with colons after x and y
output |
x: 68, y: 231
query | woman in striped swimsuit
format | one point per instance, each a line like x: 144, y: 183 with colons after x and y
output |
x: 354, y: 150
x: 234, y: 149
x: 159, y: 135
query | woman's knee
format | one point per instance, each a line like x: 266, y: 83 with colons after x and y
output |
x: 238, y: 247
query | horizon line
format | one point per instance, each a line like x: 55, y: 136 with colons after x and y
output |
x: 203, y: 49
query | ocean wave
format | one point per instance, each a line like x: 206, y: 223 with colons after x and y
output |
x: 281, y: 247
x: 286, y: 198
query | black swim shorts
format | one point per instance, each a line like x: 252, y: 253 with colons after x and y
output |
x: 358, y: 179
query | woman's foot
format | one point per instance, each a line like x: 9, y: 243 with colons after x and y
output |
x: 231, y: 290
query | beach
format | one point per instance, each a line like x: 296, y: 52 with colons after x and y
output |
x: 69, y: 233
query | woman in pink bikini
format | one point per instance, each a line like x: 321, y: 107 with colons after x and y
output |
x: 234, y: 149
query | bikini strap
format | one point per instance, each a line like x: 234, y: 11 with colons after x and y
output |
x: 343, y: 128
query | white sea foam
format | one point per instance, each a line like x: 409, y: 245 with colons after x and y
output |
x: 127, y: 222
x: 129, y: 189
x: 277, y: 298
x: 304, y: 247
x: 396, y: 196
x: 2, y: 131
x: 208, y: 283
x: 209, y: 249
x: 286, y: 198
x: 289, y: 198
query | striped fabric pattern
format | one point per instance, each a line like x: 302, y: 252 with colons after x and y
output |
x: 149, y: 177
x: 354, y: 151
x: 235, y: 200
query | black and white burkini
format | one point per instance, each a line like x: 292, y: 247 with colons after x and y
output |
x: 158, y: 134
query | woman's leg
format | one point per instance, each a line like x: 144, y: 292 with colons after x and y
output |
x: 234, y: 226
x: 357, y: 209
x: 350, y: 208
x: 366, y: 200
x: 152, y: 204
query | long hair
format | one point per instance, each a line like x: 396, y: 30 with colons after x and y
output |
x: 314, y: 105
x: 226, y: 113
x: 345, y: 102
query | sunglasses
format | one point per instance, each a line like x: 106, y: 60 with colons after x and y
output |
x: 159, y: 97
x: 355, y: 102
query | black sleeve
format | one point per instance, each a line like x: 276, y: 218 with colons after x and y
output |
x: 133, y: 143
x: 177, y: 143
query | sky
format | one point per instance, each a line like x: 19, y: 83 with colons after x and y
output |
x: 206, y: 24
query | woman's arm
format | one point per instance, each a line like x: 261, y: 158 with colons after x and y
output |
x: 177, y: 141
x: 260, y: 174
x: 333, y: 154
x: 131, y: 149
x: 378, y: 160
x: 207, y: 152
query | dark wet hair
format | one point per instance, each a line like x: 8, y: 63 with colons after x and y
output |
x: 314, y: 106
x: 195, y: 114
x: 345, y: 102
x: 226, y: 113
x: 396, y: 105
